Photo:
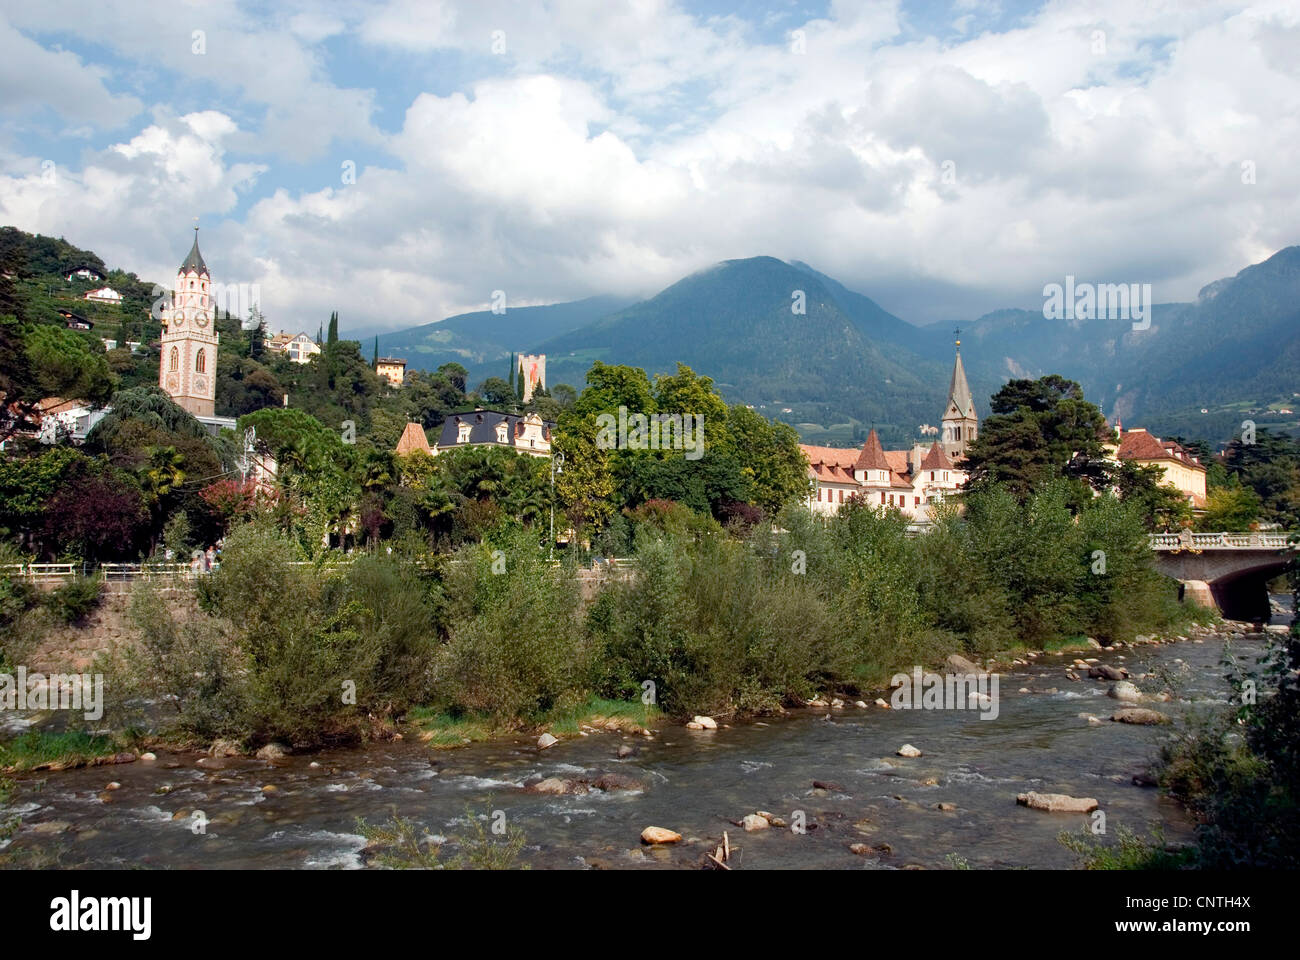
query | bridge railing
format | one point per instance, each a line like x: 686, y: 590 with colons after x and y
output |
x: 1220, y: 541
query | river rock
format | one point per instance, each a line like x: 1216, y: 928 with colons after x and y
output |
x: 1124, y: 691
x: 830, y: 785
x: 546, y: 740
x: 148, y: 757
x: 625, y: 751
x: 860, y: 704
x: 557, y: 786
x: 1139, y: 716
x: 861, y: 849
x: 959, y: 665
x: 113, y: 786
x: 223, y: 748
x: 51, y: 826
x: 1104, y: 671
x: 616, y: 781
x: 945, y: 807
x: 654, y: 835
x: 907, y: 750
x: 273, y: 751
x: 1095, y: 644
x: 882, y: 703
x: 1057, y: 802
x: 753, y: 821
x: 707, y: 723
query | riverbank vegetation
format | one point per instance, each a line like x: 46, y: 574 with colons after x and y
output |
x: 499, y: 638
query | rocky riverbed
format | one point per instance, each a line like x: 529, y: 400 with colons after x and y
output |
x: 827, y: 781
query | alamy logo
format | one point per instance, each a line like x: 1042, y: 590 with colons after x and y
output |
x: 58, y: 691
x: 1092, y: 301
x: 932, y: 691
x: 75, y: 913
x: 658, y: 431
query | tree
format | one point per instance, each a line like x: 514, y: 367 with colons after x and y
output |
x: 1040, y: 429
x: 1233, y: 508
x: 256, y: 334
x: 497, y: 392
x: 457, y: 374
x: 519, y: 384
x: 38, y: 361
x: 375, y: 361
x: 1161, y: 506
x: 585, y: 489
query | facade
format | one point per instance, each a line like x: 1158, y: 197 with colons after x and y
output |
x: 85, y: 273
x: 300, y: 348
x: 67, y: 418
x: 187, y: 369
x: 910, y: 481
x: 528, y: 434
x: 103, y: 295
x: 1182, y: 471
x: 391, y: 369
x: 534, y: 368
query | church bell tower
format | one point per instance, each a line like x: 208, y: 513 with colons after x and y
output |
x: 187, y: 369
x: 960, y: 423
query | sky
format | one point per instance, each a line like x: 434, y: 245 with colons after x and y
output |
x: 401, y: 161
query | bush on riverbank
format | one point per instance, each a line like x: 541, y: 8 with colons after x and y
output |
x: 286, y: 652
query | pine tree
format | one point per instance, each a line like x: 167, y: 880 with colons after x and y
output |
x: 376, y: 350
x: 334, y: 328
x: 257, y: 335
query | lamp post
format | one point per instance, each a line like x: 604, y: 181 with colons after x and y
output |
x: 557, y: 466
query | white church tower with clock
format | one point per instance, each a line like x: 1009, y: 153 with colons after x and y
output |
x: 187, y: 369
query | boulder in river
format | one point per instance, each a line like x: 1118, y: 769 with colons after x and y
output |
x: 1057, y: 802
x: 907, y: 750
x: 223, y: 748
x: 1125, y: 691
x: 1139, y: 716
x: 557, y: 786
x: 830, y: 785
x: 273, y: 751
x: 547, y: 740
x: 753, y: 821
x: 861, y: 849
x: 959, y: 665
x: 1104, y: 671
x: 654, y: 835
x: 706, y: 723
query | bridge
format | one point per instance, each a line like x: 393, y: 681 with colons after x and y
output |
x: 1227, y: 571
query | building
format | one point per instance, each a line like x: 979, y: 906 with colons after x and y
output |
x: 910, y: 481
x: 67, y: 418
x: 187, y: 369
x: 103, y: 295
x: 533, y: 367
x: 391, y: 369
x: 1182, y: 471
x: 85, y: 273
x: 413, y: 439
x: 960, y: 422
x: 528, y: 434
x: 75, y: 321
x: 299, y: 349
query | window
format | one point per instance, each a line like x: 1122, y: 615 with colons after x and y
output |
x: 201, y: 362
x: 932, y: 476
x: 841, y: 496
x: 917, y: 501
x: 174, y: 363
x: 882, y: 497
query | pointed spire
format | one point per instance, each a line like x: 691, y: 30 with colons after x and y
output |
x: 936, y: 459
x: 959, y: 390
x: 194, y: 262
x: 872, y: 456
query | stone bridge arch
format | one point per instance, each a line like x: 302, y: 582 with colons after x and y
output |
x: 1227, y: 571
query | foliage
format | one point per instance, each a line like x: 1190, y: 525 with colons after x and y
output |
x: 74, y: 600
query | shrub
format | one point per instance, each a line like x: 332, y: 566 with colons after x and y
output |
x: 73, y: 602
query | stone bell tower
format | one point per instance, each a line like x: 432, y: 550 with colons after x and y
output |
x: 187, y: 369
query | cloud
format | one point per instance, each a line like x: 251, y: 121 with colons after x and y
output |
x: 615, y: 147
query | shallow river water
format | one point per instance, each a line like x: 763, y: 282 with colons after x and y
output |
x: 694, y: 782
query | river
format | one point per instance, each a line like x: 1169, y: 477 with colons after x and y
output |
x: 693, y: 782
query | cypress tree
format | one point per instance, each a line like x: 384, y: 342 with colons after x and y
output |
x: 376, y: 350
x: 512, y: 371
x: 519, y: 387
x: 334, y: 328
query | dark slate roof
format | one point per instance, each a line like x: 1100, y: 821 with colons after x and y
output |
x: 483, y: 428
x: 194, y: 261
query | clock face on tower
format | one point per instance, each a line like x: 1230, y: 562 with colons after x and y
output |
x: 201, y: 320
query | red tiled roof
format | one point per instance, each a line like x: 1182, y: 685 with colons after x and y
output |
x: 830, y: 455
x: 936, y: 459
x: 872, y: 456
x: 1138, y: 444
x: 413, y: 438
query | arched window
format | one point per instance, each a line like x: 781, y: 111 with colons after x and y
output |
x: 201, y: 362
x: 175, y: 363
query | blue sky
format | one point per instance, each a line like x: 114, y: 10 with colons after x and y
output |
x: 944, y: 158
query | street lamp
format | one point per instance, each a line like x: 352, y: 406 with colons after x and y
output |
x: 557, y: 466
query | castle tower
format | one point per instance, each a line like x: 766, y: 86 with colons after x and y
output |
x: 534, y: 373
x: 187, y: 369
x: 960, y: 423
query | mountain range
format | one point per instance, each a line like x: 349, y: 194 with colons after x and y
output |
x: 800, y: 346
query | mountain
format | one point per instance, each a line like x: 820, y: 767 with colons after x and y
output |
x: 1234, y: 352
x: 483, y: 341
x: 832, y: 370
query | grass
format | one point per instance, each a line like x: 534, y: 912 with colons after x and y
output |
x: 401, y: 844
x: 1128, y: 852
x: 35, y: 749
x: 439, y: 728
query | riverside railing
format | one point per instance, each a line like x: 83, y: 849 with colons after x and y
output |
x: 1220, y: 541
